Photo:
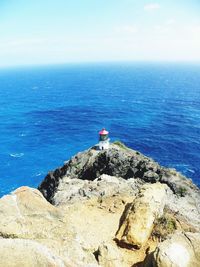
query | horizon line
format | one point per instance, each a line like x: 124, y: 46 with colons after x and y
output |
x: 52, y: 64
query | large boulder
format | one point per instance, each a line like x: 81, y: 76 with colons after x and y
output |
x: 138, y: 221
x: 22, y: 211
x: 179, y: 250
x: 39, y: 233
x: 28, y: 253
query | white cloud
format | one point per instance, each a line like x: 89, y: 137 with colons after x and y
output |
x: 152, y: 6
x: 161, y: 29
x: 20, y: 42
x: 124, y: 42
x: 193, y: 32
x: 124, y: 29
x: 170, y: 21
x: 167, y: 27
x: 195, y: 29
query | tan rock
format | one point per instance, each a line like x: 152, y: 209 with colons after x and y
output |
x: 72, y: 232
x: 24, y: 210
x: 28, y: 253
x: 179, y: 250
x: 26, y: 214
x: 109, y: 256
x: 92, y: 221
x: 137, y: 224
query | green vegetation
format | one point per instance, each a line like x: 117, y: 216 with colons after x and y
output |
x: 120, y: 144
x: 90, y: 153
x: 181, y: 191
x: 164, y: 226
x: 5, y: 235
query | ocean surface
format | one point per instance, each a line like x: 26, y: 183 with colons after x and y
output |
x: 47, y: 114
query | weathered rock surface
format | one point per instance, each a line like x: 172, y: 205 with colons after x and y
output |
x: 116, y: 161
x: 109, y: 256
x: 71, y: 233
x: 138, y: 222
x: 179, y: 250
x: 25, y: 209
x: 90, y: 194
x: 120, y: 162
x: 26, y: 216
x: 28, y: 253
x: 71, y: 190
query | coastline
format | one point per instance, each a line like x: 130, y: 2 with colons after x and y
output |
x: 113, y: 205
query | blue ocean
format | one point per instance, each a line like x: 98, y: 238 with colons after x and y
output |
x: 47, y: 114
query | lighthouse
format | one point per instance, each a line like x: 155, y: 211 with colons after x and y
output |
x: 103, y: 139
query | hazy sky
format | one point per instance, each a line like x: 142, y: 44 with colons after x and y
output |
x: 59, y: 31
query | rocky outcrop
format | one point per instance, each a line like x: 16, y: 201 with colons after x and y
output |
x: 81, y: 178
x: 28, y: 253
x: 70, y: 190
x: 35, y: 233
x: 138, y: 222
x: 179, y: 250
x: 116, y: 161
x: 22, y: 211
x: 74, y: 218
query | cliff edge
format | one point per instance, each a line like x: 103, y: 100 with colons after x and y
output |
x: 108, y: 208
x: 119, y: 161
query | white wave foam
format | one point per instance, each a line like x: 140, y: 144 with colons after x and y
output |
x: 190, y: 170
x: 17, y: 155
x: 22, y: 134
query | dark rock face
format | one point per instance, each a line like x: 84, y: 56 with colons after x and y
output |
x: 116, y: 161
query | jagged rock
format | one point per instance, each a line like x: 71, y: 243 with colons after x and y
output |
x: 109, y: 256
x: 77, y: 180
x: 90, y: 193
x: 179, y: 250
x: 137, y: 224
x: 187, y: 207
x: 116, y: 161
x: 70, y: 190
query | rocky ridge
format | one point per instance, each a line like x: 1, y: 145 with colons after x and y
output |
x: 107, y: 208
x: 127, y: 169
x: 118, y: 161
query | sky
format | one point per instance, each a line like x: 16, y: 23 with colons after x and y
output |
x: 34, y: 32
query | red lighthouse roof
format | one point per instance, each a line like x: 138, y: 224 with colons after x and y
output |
x: 103, y: 132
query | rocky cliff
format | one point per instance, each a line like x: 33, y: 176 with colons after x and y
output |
x: 110, y: 208
x: 118, y: 161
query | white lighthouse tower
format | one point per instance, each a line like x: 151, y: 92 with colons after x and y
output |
x: 103, y: 139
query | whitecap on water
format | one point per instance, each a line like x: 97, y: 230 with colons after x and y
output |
x: 17, y: 155
x: 22, y: 134
x: 190, y: 170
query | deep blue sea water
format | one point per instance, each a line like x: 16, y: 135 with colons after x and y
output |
x: 47, y: 114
